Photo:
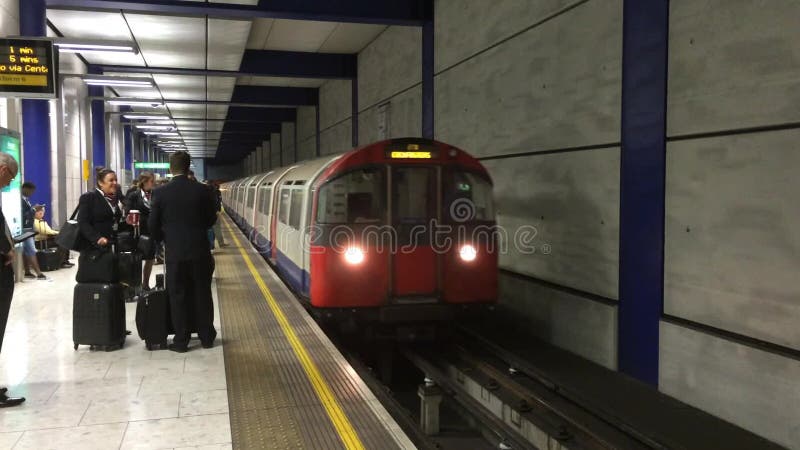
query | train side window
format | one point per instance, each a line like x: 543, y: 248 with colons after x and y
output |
x: 252, y: 197
x: 295, y: 212
x: 263, y: 208
x: 355, y: 197
x: 283, y: 210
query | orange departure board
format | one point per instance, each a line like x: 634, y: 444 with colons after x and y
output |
x: 27, y: 68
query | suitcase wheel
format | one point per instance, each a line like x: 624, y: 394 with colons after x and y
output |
x: 149, y: 347
x: 76, y: 346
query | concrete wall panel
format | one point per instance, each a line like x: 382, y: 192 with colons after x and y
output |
x: 571, y: 201
x: 307, y: 149
x: 458, y: 37
x: 732, y: 236
x: 287, y: 143
x: 337, y: 139
x: 275, y: 150
x: 582, y: 326
x: 404, y: 118
x: 751, y: 388
x: 390, y: 64
x: 306, y: 122
x: 335, y: 102
x: 733, y: 64
x: 555, y: 86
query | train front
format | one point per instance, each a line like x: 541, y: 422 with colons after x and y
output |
x: 403, y: 232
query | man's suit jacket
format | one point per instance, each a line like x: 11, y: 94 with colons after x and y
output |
x: 96, y: 218
x: 181, y: 212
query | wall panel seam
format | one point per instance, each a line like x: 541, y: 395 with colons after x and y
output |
x: 502, y: 41
x: 736, y: 338
x: 561, y: 288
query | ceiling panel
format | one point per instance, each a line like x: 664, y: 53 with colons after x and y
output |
x: 226, y: 42
x: 181, y: 87
x: 221, y: 88
x: 217, y: 111
x: 280, y: 81
x: 259, y: 32
x: 351, y: 37
x: 170, y: 41
x: 298, y: 35
x: 85, y: 24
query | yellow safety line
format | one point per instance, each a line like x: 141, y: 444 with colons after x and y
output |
x: 344, y: 428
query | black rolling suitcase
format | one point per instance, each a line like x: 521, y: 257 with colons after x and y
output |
x: 49, y: 259
x: 98, y: 316
x: 153, y: 321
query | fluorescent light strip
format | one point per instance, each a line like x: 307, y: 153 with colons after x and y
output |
x: 161, y: 133
x: 156, y: 127
x: 135, y: 116
x: 135, y: 102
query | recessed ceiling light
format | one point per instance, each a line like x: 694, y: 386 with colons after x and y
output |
x: 115, y: 81
x: 119, y: 101
x: 84, y: 45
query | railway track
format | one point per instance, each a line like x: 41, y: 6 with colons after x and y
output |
x: 519, y: 409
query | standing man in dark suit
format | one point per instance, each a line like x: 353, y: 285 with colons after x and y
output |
x: 8, y: 170
x: 181, y: 212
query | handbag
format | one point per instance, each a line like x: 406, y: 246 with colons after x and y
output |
x: 98, y: 265
x: 69, y: 236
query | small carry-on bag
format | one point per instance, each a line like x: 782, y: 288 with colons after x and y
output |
x: 49, y: 259
x: 98, y: 316
x: 98, y: 265
x: 130, y: 274
x: 153, y: 321
x: 127, y: 241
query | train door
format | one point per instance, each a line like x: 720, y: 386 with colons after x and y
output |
x: 414, y: 199
x: 288, y: 239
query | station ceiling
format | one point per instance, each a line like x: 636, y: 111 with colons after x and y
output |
x: 226, y: 79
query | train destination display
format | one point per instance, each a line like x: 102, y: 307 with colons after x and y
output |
x: 27, y: 68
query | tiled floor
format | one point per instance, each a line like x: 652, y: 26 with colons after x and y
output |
x: 126, y: 399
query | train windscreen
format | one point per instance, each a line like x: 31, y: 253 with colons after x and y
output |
x: 467, y: 197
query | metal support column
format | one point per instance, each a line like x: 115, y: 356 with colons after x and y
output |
x: 427, y: 72
x: 36, y: 162
x: 643, y: 170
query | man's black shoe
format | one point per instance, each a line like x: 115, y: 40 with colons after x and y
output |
x: 7, y: 402
x: 208, y: 344
x: 178, y: 348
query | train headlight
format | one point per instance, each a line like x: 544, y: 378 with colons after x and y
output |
x: 467, y: 253
x: 354, y: 255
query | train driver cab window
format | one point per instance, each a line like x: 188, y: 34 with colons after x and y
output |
x: 283, y: 211
x: 467, y: 196
x: 414, y: 194
x: 356, y: 197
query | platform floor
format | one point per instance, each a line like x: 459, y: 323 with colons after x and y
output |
x: 125, y: 399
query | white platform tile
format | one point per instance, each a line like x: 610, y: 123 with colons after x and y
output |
x: 208, y: 447
x: 97, y: 437
x: 188, y: 382
x: 49, y: 415
x: 7, y: 440
x: 205, y: 402
x: 181, y: 432
x: 104, y: 389
x: 158, y: 406
x: 137, y: 368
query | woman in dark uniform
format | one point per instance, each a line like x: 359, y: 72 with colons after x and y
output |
x: 139, y: 199
x: 99, y: 211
